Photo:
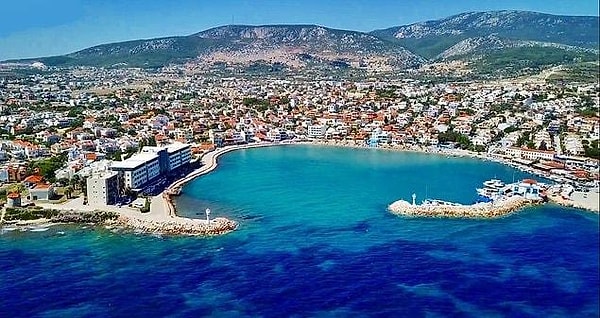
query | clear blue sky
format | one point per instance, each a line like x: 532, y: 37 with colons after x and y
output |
x: 34, y: 28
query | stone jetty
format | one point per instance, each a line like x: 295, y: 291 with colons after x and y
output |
x: 177, y: 227
x: 481, y: 210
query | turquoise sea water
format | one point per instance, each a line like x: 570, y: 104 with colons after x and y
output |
x: 315, y: 239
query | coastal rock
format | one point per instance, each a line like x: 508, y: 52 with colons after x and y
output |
x: 176, y: 227
x: 475, y: 211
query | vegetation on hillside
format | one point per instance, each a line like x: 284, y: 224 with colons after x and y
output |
x: 585, y: 72
x: 521, y: 59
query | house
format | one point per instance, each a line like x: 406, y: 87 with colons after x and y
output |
x: 528, y: 188
x: 41, y: 191
x: 33, y: 180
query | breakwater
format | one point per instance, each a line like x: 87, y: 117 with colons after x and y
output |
x: 16, y: 215
x: 178, y: 226
x: 482, y: 210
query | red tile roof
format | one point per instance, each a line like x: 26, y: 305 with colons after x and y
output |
x: 34, y: 178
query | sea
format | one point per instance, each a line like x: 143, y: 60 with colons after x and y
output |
x: 315, y: 239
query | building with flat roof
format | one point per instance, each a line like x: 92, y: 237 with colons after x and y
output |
x: 152, y: 162
x: 138, y: 170
x: 103, y: 188
x: 172, y: 156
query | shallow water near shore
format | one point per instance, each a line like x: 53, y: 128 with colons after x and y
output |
x: 315, y: 239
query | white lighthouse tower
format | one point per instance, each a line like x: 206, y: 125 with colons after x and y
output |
x: 414, y: 197
x: 207, y: 215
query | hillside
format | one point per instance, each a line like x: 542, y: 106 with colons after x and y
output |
x: 489, y: 43
x: 290, y: 45
x: 431, y: 39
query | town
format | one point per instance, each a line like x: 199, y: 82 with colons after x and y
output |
x: 109, y: 136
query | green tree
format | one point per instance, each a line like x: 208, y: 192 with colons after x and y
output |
x: 48, y: 167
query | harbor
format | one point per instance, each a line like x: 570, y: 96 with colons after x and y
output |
x: 497, y: 199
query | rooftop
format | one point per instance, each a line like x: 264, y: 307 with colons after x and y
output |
x: 103, y: 175
x: 135, y: 161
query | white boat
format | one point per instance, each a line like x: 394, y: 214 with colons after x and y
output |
x: 39, y: 229
x: 485, y: 192
x: 494, y: 184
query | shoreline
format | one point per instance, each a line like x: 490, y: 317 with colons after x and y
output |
x: 480, y: 210
x: 474, y: 211
x: 163, y: 218
x: 209, y: 161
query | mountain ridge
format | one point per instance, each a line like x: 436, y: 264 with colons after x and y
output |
x: 469, y: 36
x: 432, y: 37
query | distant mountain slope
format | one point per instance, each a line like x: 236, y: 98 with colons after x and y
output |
x: 295, y: 45
x: 496, y: 42
x: 432, y: 38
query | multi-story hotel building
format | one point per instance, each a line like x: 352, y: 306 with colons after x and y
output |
x: 151, y: 163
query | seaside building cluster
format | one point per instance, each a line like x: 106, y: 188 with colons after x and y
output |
x: 496, y: 199
x: 85, y: 131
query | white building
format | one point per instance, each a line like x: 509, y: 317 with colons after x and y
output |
x: 238, y: 137
x: 103, y: 188
x: 528, y: 188
x: 186, y: 134
x: 41, y: 192
x: 152, y: 162
x: 138, y: 170
x: 274, y: 135
x: 317, y: 131
x: 179, y: 155
x: 530, y: 154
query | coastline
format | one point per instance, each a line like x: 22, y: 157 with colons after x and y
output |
x: 474, y: 211
x: 210, y: 162
x: 163, y: 219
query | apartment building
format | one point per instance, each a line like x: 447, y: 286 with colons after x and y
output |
x: 103, y: 188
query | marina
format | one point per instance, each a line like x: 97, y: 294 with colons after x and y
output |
x: 496, y: 199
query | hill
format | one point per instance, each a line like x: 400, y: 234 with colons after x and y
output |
x: 431, y: 39
x: 290, y: 45
x: 495, y: 43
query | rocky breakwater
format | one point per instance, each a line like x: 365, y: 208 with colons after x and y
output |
x: 486, y: 210
x: 25, y: 215
x: 178, y: 226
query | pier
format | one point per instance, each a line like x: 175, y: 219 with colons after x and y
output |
x: 482, y: 210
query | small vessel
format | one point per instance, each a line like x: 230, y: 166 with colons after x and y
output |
x: 491, y: 189
x: 494, y: 184
x: 433, y: 202
x: 39, y: 229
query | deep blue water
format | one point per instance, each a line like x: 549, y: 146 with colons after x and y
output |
x: 315, y: 239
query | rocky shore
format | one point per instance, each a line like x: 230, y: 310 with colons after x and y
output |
x: 174, y: 227
x: 217, y: 226
x: 475, y: 211
x: 24, y: 215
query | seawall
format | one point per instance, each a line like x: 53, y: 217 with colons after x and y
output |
x: 486, y: 210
